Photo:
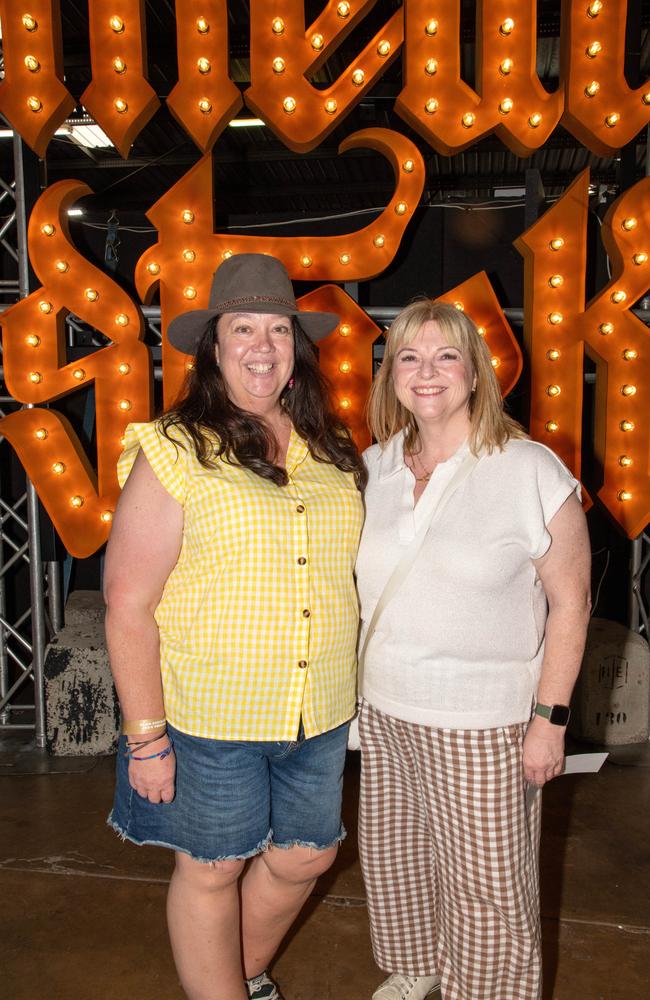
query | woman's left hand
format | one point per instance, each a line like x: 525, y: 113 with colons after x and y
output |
x: 543, y: 751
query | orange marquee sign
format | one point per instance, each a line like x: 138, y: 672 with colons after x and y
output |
x: 592, y: 101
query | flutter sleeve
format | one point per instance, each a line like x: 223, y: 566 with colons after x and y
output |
x: 168, y: 459
x: 553, y: 485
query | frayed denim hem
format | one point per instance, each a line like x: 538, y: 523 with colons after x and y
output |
x: 263, y: 846
x: 340, y: 837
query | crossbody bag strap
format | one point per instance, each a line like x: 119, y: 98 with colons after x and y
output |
x: 401, y: 571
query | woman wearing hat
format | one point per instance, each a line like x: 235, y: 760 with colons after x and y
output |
x: 231, y: 625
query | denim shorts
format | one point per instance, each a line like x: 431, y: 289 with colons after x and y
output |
x: 235, y: 799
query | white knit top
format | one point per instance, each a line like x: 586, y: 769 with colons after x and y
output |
x: 460, y: 644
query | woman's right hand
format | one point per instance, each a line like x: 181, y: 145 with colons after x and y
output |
x: 154, y: 779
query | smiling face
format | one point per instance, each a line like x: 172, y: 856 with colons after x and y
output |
x: 255, y: 354
x: 433, y: 379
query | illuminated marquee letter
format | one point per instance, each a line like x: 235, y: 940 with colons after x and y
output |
x: 32, y: 95
x: 444, y: 109
x: 205, y: 98
x: 283, y: 54
x: 189, y: 251
x: 79, y: 503
x: 558, y: 327
x: 119, y: 98
x: 601, y: 110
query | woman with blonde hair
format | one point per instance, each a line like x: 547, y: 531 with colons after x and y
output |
x: 473, y: 575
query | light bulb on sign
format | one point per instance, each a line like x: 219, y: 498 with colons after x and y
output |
x: 401, y: 208
x: 122, y: 319
x: 306, y: 260
x: 628, y: 390
x: 606, y: 329
x: 506, y: 106
x: 117, y: 24
x: 431, y: 106
x: 32, y: 340
x: 618, y: 296
x: 203, y: 65
x: 552, y: 426
x: 343, y: 9
x: 330, y: 106
x: 557, y: 243
x: 592, y: 88
x: 106, y: 516
x: 553, y: 354
x: 40, y: 434
x: 62, y: 266
x: 34, y: 104
x: 119, y: 65
x: 125, y: 405
x: 202, y: 26
x: 277, y: 26
x: 535, y: 120
x: 507, y: 27
x: 629, y: 224
x: 45, y: 307
x: 593, y: 50
x: 205, y: 106
x: 35, y: 377
x: 630, y: 354
x: 468, y: 119
x: 431, y: 27
x: 431, y: 67
x: 640, y: 258
x: 278, y: 65
x: 79, y: 374
x: 48, y: 229
x: 188, y: 217
x: 189, y: 292
x: 625, y: 461
x: 345, y: 329
x: 120, y: 105
x: 29, y: 22
x: 383, y: 48
x: 58, y: 468
x: 153, y: 267
x: 627, y: 426
x: 91, y: 294
x: 505, y: 67
x: 624, y: 495
x: 189, y: 256
x: 32, y: 64
x: 358, y: 77
x: 553, y: 390
x: 317, y: 42
x: 379, y: 240
x: 555, y: 318
x: 556, y: 280
x: 289, y: 105
x: 345, y: 258
x: 612, y: 119
x: 77, y: 502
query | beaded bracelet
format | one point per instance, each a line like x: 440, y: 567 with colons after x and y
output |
x: 161, y: 753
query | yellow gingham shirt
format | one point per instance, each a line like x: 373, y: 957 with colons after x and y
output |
x: 258, y: 619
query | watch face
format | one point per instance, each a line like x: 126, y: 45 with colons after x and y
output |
x: 559, y: 715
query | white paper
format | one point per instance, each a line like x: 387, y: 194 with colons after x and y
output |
x: 584, y: 763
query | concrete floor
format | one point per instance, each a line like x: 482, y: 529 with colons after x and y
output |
x: 82, y: 916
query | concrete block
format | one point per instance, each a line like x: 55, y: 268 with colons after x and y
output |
x: 82, y: 711
x: 84, y: 607
x: 610, y: 704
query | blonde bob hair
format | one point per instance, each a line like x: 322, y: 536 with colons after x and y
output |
x: 491, y: 427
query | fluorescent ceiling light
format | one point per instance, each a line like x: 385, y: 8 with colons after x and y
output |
x: 75, y: 211
x: 509, y: 192
x: 246, y: 123
x: 83, y: 132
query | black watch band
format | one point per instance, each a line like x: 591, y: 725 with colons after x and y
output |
x: 558, y: 715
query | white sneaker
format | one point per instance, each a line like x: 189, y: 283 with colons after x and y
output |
x: 399, y: 987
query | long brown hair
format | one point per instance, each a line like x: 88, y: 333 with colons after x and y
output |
x: 491, y: 426
x: 218, y: 428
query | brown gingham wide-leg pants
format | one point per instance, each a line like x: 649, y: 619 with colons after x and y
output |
x: 449, y: 852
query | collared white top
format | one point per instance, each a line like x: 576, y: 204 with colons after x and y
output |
x: 460, y: 644
x: 258, y: 619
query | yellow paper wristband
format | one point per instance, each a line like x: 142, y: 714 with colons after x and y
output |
x: 139, y: 726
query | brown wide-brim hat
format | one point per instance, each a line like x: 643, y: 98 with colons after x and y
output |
x: 248, y: 283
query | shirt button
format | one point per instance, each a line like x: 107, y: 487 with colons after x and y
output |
x: 302, y: 664
x: 300, y: 509
x: 301, y: 560
x: 306, y: 613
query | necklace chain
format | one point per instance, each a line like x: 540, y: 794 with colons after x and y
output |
x: 426, y: 476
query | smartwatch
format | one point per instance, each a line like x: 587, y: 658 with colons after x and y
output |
x: 558, y: 715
